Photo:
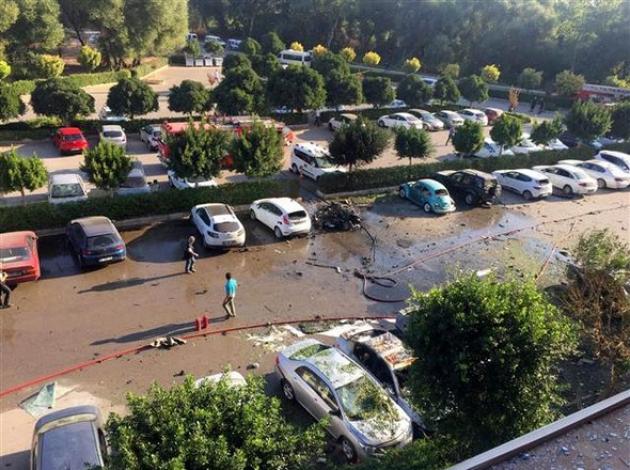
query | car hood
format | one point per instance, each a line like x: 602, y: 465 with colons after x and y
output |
x: 376, y: 432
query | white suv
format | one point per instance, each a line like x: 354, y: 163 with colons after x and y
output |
x: 218, y: 225
x: 312, y: 160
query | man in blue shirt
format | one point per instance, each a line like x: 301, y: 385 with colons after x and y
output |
x: 230, y: 293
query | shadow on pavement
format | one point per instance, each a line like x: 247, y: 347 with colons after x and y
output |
x: 164, y: 330
x: 133, y: 282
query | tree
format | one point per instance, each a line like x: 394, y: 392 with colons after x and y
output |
x: 413, y: 91
x: 450, y: 70
x: 371, y: 58
x: 49, y: 66
x: 132, y: 97
x: 378, y: 90
x: 545, y: 131
x: 319, y: 50
x: 569, y: 83
x: 89, y: 58
x: 413, y: 143
x: 214, y: 48
x: 259, y: 151
x: 342, y: 87
x: 211, y: 426
x: 507, y: 131
x: 11, y: 106
x: 21, y: 173
x: 530, y: 79
x: 240, y: 92
x: 412, y: 65
x: 234, y: 61
x: 198, y: 152
x: 5, y: 70
x: 358, y: 143
x: 621, y: 121
x: 491, y: 73
x: 473, y: 88
x: 348, y: 54
x: 587, y: 120
x: 296, y: 46
x: 266, y: 65
x: 250, y: 47
x: 188, y: 97
x: 193, y: 48
x: 56, y: 97
x: 446, y: 90
x: 107, y: 165
x: 468, y: 138
x: 297, y: 88
x: 272, y: 44
x: 36, y: 27
x: 486, y: 352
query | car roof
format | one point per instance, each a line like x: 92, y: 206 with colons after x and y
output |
x: 12, y: 239
x: 570, y: 162
x: 448, y: 111
x: 96, y: 225
x: 481, y: 174
x: 524, y: 171
x: 335, y: 366
x: 419, y: 110
x: 602, y: 163
x: 350, y: 116
x: 65, y: 178
x: 66, y: 413
x: 614, y: 153
x: 285, y: 203
x: 69, y: 130
x: 494, y: 109
x: 112, y: 127
x: 215, y: 210
x: 569, y: 168
x: 313, y: 148
x: 473, y: 110
x: 434, y: 185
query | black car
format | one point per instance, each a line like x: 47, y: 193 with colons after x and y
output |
x: 95, y: 241
x: 476, y: 187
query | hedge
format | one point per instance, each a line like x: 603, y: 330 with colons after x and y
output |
x: 393, y: 176
x: 44, y: 215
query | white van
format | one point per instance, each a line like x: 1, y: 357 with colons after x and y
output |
x: 291, y: 57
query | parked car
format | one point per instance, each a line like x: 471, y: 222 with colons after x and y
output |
x: 234, y: 44
x: 474, y: 115
x: 429, y: 120
x: 525, y: 146
x: 405, y: 120
x: 528, y: 183
x: 429, y: 81
x: 95, y: 241
x: 72, y: 438
x: 66, y: 187
x: 282, y: 215
x: 218, y: 225
x: 387, y: 358
x: 449, y: 118
x: 232, y: 378
x: 70, y: 140
x: 19, y: 257
x: 555, y: 144
x: 493, y: 114
x: 620, y: 159
x: 569, y: 179
x: 605, y: 173
x: 328, y: 384
x: 396, y: 104
x: 476, y: 187
x: 312, y: 160
x: 336, y: 122
x: 428, y: 194
x: 176, y: 182
x: 106, y: 114
x: 136, y: 182
x: 491, y: 149
x: 150, y: 135
x: 114, y: 134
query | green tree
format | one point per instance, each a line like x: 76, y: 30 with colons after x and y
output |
x: 240, y: 92
x: 413, y: 143
x: 378, y: 91
x: 545, y: 131
x: 474, y: 88
x: 234, y: 61
x: 569, y: 83
x: 587, y: 120
x: 530, y: 79
x: 507, y: 131
x: 11, y: 106
x: 412, y: 65
x: 620, y: 127
x: 413, y: 91
x: 342, y: 87
x: 36, y: 28
x: 193, y: 48
x: 251, y: 48
x: 266, y: 65
x: 198, y: 152
x: 49, y: 66
x: 446, y: 90
x: 107, y: 165
x: 272, y: 44
x: 258, y: 152
x: 132, y: 97
x: 468, y: 138
x: 487, y: 352
x: 188, y: 97
x: 297, y: 88
x: 422, y: 454
x: 21, y: 173
x: 56, y: 97
x: 450, y: 70
x: 214, y: 48
x: 5, y: 70
x: 89, y: 58
x: 490, y: 73
x: 358, y: 143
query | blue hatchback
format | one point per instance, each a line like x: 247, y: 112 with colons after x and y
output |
x: 95, y: 241
x: 429, y: 194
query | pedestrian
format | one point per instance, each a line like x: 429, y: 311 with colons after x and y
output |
x: 190, y: 255
x: 451, y: 133
x: 533, y: 104
x: 318, y: 116
x: 5, y: 291
x: 230, y: 294
x: 541, y: 105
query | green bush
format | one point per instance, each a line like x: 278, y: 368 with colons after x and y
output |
x: 44, y: 216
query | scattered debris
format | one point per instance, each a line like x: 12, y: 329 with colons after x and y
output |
x: 167, y: 342
x: 294, y: 331
x: 42, y: 402
x: 272, y: 340
x: 336, y: 216
x: 253, y: 365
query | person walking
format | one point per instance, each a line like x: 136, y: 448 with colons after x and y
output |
x: 451, y: 133
x: 230, y: 294
x: 541, y: 105
x: 318, y: 118
x: 5, y: 291
x: 533, y: 104
x: 190, y: 255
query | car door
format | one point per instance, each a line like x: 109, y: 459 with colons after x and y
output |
x: 56, y: 139
x: 264, y: 214
x: 308, y: 166
x: 415, y: 192
x: 564, y: 178
x: 313, y: 393
x: 74, y: 237
x: 522, y: 183
x: 202, y: 221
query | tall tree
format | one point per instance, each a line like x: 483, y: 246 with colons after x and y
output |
x: 198, y: 152
x: 272, y: 44
x: 132, y: 97
x: 107, y: 165
x: 240, y: 92
x: 258, y: 152
x: 75, y: 14
x: 21, y: 174
x: 56, y: 97
x: 11, y: 106
x: 378, y: 91
x: 568, y: 83
x: 358, y: 143
x: 468, y: 138
x: 446, y: 90
x: 297, y: 88
x: 413, y: 143
x: 530, y: 79
x: 506, y: 131
x: 342, y: 87
x: 413, y: 91
x: 620, y: 127
x: 37, y: 27
x: 474, y: 88
x: 587, y: 120
x: 545, y: 131
x: 188, y: 97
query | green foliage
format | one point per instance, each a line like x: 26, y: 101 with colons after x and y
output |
x: 601, y: 250
x: 240, y: 92
x: 358, y: 143
x: 272, y: 44
x: 188, y: 97
x: 545, y: 131
x: 21, y: 173
x: 132, y: 97
x: 413, y: 91
x: 5, y: 70
x: 450, y: 70
x: 378, y: 91
x: 234, y: 61
x: 297, y: 88
x: 474, y: 88
x: 89, y: 58
x: 11, y: 106
x: 568, y: 83
x: 348, y: 54
x: 250, y: 47
x: 48, y: 66
x: 214, y: 48
x: 530, y: 79
x: 487, y: 352
x: 468, y: 138
x: 371, y: 58
x: 413, y: 143
x: 423, y: 454
x: 266, y: 65
x: 446, y: 90
x: 198, y: 152
x: 490, y: 73
x: 107, y: 165
x: 412, y: 65
x: 56, y: 97
x: 620, y: 127
x: 587, y: 120
x: 616, y: 80
x: 342, y: 87
x: 193, y: 48
x: 506, y: 131
x: 36, y: 27
x: 258, y: 152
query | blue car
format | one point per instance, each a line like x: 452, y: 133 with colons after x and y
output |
x: 95, y: 241
x: 429, y: 194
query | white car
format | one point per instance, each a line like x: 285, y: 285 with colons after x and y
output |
x: 218, y: 225
x: 606, y: 174
x: 176, y: 182
x: 336, y: 122
x: 150, y: 136
x: 232, y: 379
x: 406, y: 120
x: 526, y: 145
x: 620, y: 159
x: 113, y: 134
x: 569, y: 179
x: 106, y: 114
x: 429, y: 120
x: 449, y: 118
x: 66, y: 187
x: 312, y: 160
x: 282, y: 215
x: 491, y: 149
x: 396, y: 104
x: 474, y: 115
x: 555, y: 144
x: 528, y: 183
x: 216, y: 39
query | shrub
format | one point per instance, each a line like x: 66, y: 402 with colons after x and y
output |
x: 473, y: 88
x: 468, y: 138
x: 49, y: 66
x: 450, y: 70
x: 272, y: 44
x: 530, y: 78
x: 193, y: 48
x: 5, y: 70
x: 412, y: 65
x: 358, y: 143
x: 296, y: 46
x: 446, y: 90
x: 413, y: 91
x: 258, y: 152
x: 197, y: 152
x: 371, y: 58
x: 348, y: 53
x: 250, y: 47
x: 319, y: 50
x: 413, y: 143
x: 18, y: 173
x: 132, y: 97
x: 506, y: 131
x: 491, y: 73
x: 107, y: 164
x: 89, y: 58
x: 234, y: 61
x: 378, y: 90
x: 546, y: 131
x: 188, y: 97
x: 587, y: 120
x: 11, y: 106
x: 569, y: 83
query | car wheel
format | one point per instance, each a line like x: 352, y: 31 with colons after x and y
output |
x: 527, y: 195
x: 294, y: 169
x: 470, y: 199
x: 277, y: 232
x: 252, y: 214
x: 348, y: 450
x: 402, y: 193
x: 381, y: 123
x: 567, y: 190
x: 601, y: 184
x: 427, y: 207
x: 287, y: 390
x: 330, y: 127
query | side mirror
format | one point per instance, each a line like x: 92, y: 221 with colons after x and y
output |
x: 335, y: 412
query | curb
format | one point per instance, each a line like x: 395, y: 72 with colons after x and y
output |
x: 362, y: 192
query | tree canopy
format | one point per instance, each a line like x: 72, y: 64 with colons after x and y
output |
x: 198, y: 152
x: 506, y: 131
x: 446, y: 90
x: 296, y: 87
x: 474, y: 88
x: 11, y: 106
x: 132, y: 97
x: 21, y: 174
x: 240, y: 92
x: 60, y: 98
x: 378, y: 90
x: 258, y: 151
x: 107, y: 164
x: 358, y: 143
x: 188, y: 97
x: 468, y: 138
x: 413, y: 91
x: 587, y: 120
x: 621, y: 121
x: 342, y: 87
x: 545, y: 131
x: 413, y: 143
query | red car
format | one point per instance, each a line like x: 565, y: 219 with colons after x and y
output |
x: 70, y: 140
x: 19, y: 257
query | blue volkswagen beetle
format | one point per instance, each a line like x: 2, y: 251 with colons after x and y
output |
x: 429, y: 194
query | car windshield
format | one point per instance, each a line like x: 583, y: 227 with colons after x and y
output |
x: 323, y: 162
x: 360, y: 399
x: 71, y: 137
x: 10, y: 255
x: 112, y: 134
x: 297, y: 215
x: 226, y: 227
x: 67, y: 190
x: 441, y: 192
x: 134, y: 182
x: 102, y: 241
